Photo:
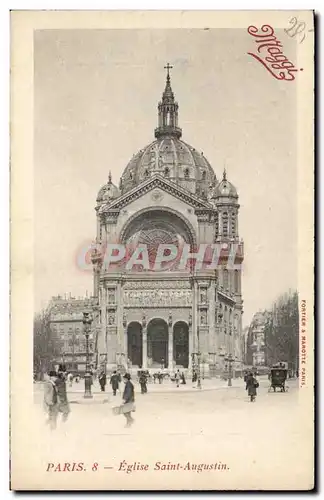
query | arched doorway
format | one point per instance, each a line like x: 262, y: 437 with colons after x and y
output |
x: 157, y: 342
x: 135, y: 343
x: 181, y: 344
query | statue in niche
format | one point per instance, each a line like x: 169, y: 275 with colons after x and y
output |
x: 170, y: 319
x: 124, y: 319
x: 203, y: 318
x: 111, y: 319
x: 203, y: 296
x: 190, y: 319
x: 144, y: 320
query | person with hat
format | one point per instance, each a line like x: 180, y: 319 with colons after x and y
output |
x: 102, y: 380
x: 128, y: 399
x: 251, y: 386
x: 60, y: 383
x: 114, y: 382
x: 50, y: 399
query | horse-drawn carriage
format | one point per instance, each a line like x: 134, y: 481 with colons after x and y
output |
x: 278, y: 377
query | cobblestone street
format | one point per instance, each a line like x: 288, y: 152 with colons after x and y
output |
x: 215, y: 426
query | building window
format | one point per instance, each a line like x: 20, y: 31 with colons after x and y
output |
x: 217, y: 225
x: 236, y: 281
x: 225, y: 224
x: 233, y: 224
x: 225, y: 279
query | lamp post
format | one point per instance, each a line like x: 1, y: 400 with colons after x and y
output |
x: 197, y: 363
x: 229, y: 359
x: 199, y: 374
x: 87, y: 320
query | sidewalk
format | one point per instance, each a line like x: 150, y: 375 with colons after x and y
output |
x: 75, y: 393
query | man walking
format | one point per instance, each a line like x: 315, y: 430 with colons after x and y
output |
x: 177, y: 377
x: 102, y: 381
x: 114, y: 381
x: 50, y: 399
x: 60, y: 383
x: 251, y: 386
x: 128, y: 399
x: 142, y: 381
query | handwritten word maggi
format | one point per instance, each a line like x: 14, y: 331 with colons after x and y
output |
x: 270, y: 55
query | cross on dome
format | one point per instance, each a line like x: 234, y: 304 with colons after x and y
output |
x: 168, y: 67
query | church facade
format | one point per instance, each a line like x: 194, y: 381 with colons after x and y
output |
x: 168, y: 197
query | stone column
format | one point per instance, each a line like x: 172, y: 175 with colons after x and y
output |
x: 190, y: 346
x: 195, y: 320
x: 170, y: 348
x: 125, y: 346
x: 119, y: 318
x: 104, y: 316
x: 144, y: 347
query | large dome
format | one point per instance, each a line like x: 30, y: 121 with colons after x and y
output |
x: 173, y: 159
x: 168, y: 155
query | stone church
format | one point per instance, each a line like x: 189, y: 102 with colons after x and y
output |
x: 168, y: 194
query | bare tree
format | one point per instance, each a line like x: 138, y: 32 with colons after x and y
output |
x: 282, y: 331
x: 46, y: 344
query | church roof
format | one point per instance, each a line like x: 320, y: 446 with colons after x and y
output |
x: 108, y: 191
x: 168, y: 155
x: 225, y: 188
x: 173, y: 159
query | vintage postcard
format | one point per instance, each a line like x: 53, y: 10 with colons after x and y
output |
x: 162, y: 183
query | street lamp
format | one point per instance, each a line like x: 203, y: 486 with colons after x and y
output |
x: 87, y: 320
x: 197, y: 363
x: 199, y: 377
x: 229, y: 359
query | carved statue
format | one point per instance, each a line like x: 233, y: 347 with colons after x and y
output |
x: 144, y: 320
x: 124, y: 320
x: 170, y: 318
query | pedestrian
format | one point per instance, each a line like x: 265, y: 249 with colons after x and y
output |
x: 194, y: 378
x: 143, y: 381
x: 62, y: 400
x: 128, y: 399
x: 50, y: 399
x: 102, y: 381
x: 177, y: 377
x: 114, y: 381
x: 183, y: 379
x: 251, y: 386
x: 70, y: 379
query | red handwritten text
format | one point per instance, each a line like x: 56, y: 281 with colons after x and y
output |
x: 270, y: 55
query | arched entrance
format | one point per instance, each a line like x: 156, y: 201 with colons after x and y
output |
x: 181, y: 344
x: 157, y: 342
x: 134, y: 343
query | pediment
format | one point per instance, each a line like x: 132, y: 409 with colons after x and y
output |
x: 149, y: 185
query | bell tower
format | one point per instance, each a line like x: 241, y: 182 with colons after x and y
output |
x: 168, y: 111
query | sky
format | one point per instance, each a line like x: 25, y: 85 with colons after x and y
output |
x: 95, y: 105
